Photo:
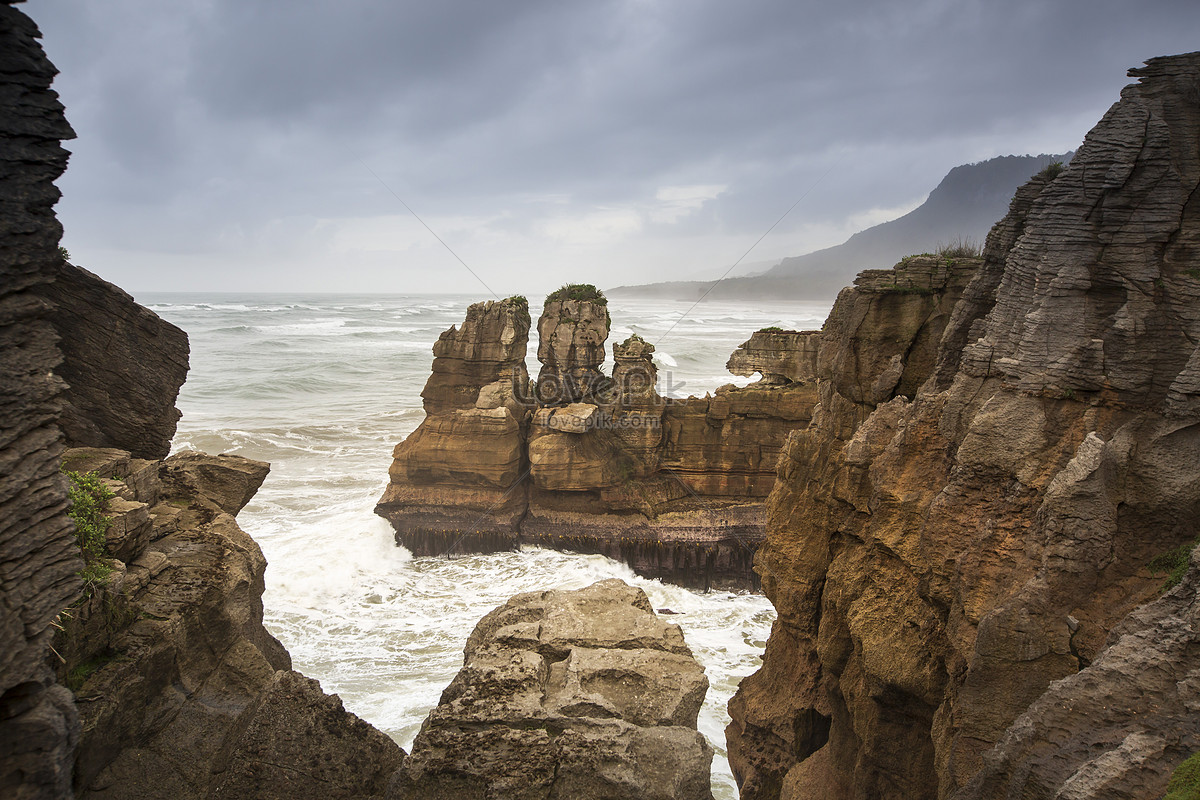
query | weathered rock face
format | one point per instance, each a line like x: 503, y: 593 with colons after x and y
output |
x: 38, y: 558
x: 1117, y: 728
x: 455, y: 481
x: 968, y: 518
x: 675, y: 488
x: 181, y: 690
x: 571, y: 336
x: 481, y: 362
x: 778, y: 356
x: 581, y: 694
x: 123, y: 365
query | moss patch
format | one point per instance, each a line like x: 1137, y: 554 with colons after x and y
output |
x: 1185, y: 781
x: 79, y: 674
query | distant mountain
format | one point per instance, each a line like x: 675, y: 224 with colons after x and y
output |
x: 965, y: 205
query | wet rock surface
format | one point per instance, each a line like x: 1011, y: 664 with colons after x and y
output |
x: 957, y: 545
x: 580, y: 694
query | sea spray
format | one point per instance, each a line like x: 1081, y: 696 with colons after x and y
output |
x: 323, y: 387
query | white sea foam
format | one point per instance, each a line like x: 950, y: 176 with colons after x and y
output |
x: 323, y: 388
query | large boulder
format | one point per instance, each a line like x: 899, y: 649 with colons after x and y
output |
x: 584, y: 694
x: 227, y: 481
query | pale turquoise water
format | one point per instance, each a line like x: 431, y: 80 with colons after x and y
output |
x: 323, y: 386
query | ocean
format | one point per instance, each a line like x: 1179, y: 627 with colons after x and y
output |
x: 323, y: 387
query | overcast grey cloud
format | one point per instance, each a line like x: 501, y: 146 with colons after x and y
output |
x: 231, y: 145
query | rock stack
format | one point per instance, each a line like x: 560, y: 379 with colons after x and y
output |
x: 675, y: 488
x: 571, y: 335
x: 456, y: 481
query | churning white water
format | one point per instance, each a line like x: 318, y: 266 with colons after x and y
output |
x: 323, y: 387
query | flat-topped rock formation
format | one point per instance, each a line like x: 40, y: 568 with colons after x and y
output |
x: 958, y: 544
x: 779, y: 356
x: 589, y: 462
x: 457, y: 471
x: 583, y: 694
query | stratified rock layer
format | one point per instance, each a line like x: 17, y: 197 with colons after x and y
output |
x: 583, y: 694
x: 456, y: 481
x: 571, y: 336
x: 123, y: 365
x: 778, y: 356
x: 181, y: 691
x: 38, y: 558
x: 956, y: 543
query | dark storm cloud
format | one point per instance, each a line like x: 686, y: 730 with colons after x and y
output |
x: 242, y: 129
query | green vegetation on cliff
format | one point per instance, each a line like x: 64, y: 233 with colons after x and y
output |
x: 89, y: 500
x: 1185, y: 781
x: 577, y: 291
x: 1174, y: 563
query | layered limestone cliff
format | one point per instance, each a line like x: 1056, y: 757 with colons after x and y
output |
x: 594, y: 463
x: 958, y: 542
x: 583, y: 694
x: 38, y: 559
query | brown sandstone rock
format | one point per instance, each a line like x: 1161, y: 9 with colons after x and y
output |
x: 298, y: 743
x: 949, y: 557
x: 489, y: 347
x: 673, y: 488
x: 571, y: 336
x: 226, y: 481
x: 777, y: 356
x: 181, y: 690
x: 581, y: 694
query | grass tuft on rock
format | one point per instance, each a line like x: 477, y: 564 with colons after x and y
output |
x: 89, y: 500
x: 1052, y: 171
x: 1185, y: 781
x: 961, y: 247
x: 577, y: 291
x: 1174, y: 563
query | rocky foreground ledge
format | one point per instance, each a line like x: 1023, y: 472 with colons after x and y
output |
x: 181, y: 691
x: 581, y: 694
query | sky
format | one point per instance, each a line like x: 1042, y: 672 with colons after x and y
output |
x: 272, y: 146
